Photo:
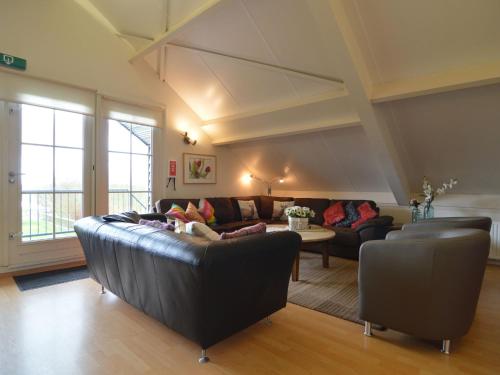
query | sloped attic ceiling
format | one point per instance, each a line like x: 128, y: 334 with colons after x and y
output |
x: 422, y: 61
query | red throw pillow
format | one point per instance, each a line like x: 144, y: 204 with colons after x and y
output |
x: 366, y: 212
x: 334, y: 214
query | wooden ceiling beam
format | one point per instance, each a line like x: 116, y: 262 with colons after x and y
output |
x: 173, y: 30
x: 279, y: 107
x: 336, y: 31
x: 275, y: 67
x: 436, y: 83
x: 313, y: 127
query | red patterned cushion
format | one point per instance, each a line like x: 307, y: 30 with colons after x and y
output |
x: 366, y: 212
x: 253, y: 229
x: 334, y: 214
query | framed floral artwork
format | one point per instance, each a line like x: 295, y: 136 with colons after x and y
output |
x: 199, y: 169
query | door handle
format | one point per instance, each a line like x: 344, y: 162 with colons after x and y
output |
x: 13, y: 175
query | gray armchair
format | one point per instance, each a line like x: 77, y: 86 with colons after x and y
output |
x: 476, y: 222
x: 425, y: 284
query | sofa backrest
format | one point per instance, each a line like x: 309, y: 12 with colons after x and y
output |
x: 267, y: 204
x: 318, y: 205
x: 163, y: 205
x: 236, y: 206
x: 227, y: 210
x: 357, y: 203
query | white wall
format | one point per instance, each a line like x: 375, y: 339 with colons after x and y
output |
x: 64, y: 43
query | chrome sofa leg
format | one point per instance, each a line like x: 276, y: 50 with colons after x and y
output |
x: 446, y: 347
x: 203, y: 358
x: 103, y: 291
x: 368, y: 329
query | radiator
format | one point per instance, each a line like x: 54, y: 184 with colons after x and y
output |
x: 495, y: 240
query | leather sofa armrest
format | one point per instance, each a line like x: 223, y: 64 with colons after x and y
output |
x: 394, y: 281
x: 245, y: 280
x: 374, y: 229
x: 154, y: 216
x: 378, y: 221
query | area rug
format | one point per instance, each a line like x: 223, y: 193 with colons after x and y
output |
x: 333, y: 290
x: 43, y: 279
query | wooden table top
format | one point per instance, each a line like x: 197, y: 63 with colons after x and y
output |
x: 316, y: 233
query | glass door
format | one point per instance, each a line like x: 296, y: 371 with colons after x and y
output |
x: 129, y: 167
x: 49, y: 179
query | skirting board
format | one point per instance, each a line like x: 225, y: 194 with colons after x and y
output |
x: 29, y: 266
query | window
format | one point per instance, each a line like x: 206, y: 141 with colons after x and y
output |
x: 129, y: 167
x: 52, y: 157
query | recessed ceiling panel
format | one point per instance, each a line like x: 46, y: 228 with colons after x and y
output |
x: 292, y: 34
x: 414, y: 38
x: 252, y: 86
x: 196, y: 84
x: 145, y: 18
x: 227, y: 28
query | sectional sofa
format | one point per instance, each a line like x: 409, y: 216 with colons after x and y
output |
x: 346, y: 243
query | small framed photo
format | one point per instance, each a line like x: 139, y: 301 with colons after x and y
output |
x: 199, y: 169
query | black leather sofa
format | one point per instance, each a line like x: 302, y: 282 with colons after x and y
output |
x: 346, y: 243
x: 204, y: 290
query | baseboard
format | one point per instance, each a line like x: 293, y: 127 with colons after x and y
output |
x: 23, y: 269
x: 493, y: 262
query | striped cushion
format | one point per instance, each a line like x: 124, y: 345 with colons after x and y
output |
x: 177, y: 212
x: 207, y: 211
x: 193, y: 215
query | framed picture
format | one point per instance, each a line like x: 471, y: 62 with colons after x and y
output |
x: 199, y: 169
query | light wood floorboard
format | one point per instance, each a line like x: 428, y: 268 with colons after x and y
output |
x: 72, y: 329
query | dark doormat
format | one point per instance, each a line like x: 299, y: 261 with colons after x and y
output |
x: 43, y: 279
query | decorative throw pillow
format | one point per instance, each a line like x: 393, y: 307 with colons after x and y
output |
x: 248, y: 210
x: 351, y: 215
x: 180, y: 226
x: 279, y: 209
x: 157, y: 224
x: 198, y: 229
x: 366, y: 212
x: 124, y: 217
x: 193, y: 215
x: 253, y: 229
x: 334, y: 214
x: 177, y: 212
x: 207, y: 211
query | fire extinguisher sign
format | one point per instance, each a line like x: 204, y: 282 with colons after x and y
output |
x: 172, y: 168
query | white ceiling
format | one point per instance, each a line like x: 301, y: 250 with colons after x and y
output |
x: 146, y: 18
x: 453, y: 134
x: 408, y: 45
x: 217, y: 86
x: 416, y: 38
x: 339, y: 160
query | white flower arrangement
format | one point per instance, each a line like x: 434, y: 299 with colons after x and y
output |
x: 430, y: 193
x: 297, y: 211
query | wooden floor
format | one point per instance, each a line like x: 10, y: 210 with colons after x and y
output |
x: 72, y: 329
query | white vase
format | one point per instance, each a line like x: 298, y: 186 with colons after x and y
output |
x: 298, y: 223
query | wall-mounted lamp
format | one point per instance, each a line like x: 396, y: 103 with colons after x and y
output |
x: 188, y: 140
x: 247, y: 178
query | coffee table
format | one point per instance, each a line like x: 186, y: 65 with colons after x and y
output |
x: 314, y: 235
